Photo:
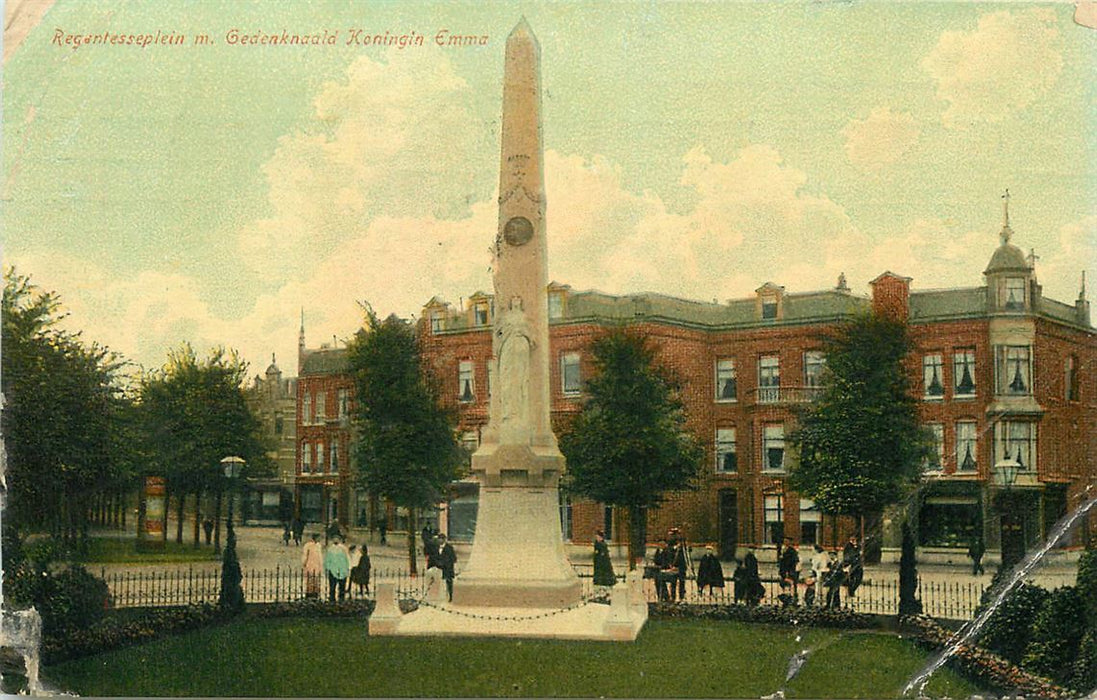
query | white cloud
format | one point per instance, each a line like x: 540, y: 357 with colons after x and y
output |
x: 880, y: 139
x: 1059, y: 268
x: 1006, y: 64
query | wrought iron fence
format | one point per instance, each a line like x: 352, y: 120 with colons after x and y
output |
x: 953, y: 600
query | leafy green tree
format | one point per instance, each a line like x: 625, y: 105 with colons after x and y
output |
x: 63, y: 416
x: 1057, y: 634
x: 908, y: 575
x: 1009, y: 629
x: 861, y: 446
x: 193, y: 412
x: 406, y: 445
x: 629, y: 446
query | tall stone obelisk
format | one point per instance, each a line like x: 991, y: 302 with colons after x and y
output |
x: 518, y: 557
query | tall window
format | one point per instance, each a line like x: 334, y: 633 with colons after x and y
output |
x: 306, y: 458
x: 932, y: 380
x: 773, y: 447
x: 480, y: 313
x: 306, y: 410
x: 967, y: 456
x: 569, y: 374
x: 1017, y: 440
x: 775, y: 519
x: 1014, y: 370
x: 769, y: 379
x: 1070, y: 379
x: 726, y: 458
x: 320, y: 457
x: 1014, y: 294
x: 334, y: 456
x: 321, y: 406
x: 466, y: 391
x: 813, y: 368
x: 769, y: 307
x: 936, y: 460
x: 963, y: 373
x: 343, y: 406
x: 810, y: 519
x: 437, y: 321
x: 725, y: 380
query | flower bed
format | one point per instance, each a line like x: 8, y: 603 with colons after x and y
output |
x: 981, y: 666
x: 807, y: 616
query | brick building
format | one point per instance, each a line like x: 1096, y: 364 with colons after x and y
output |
x: 1005, y: 376
x: 274, y: 400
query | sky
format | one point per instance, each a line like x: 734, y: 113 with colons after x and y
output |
x: 214, y: 193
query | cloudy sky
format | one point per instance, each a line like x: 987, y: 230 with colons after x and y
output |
x: 210, y: 193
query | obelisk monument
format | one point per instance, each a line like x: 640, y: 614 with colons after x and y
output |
x: 517, y: 557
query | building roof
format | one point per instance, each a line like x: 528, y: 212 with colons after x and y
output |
x: 324, y: 361
x: 1007, y: 258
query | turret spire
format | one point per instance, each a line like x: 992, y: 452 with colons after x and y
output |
x: 1007, y: 232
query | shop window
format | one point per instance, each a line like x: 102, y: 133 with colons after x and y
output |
x: 948, y: 522
x: 963, y: 373
x: 725, y: 380
x: 967, y: 456
x: 932, y: 385
x: 726, y: 457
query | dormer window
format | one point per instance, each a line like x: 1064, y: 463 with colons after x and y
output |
x: 437, y: 321
x: 480, y: 314
x: 769, y: 307
x: 1014, y: 294
x: 556, y: 305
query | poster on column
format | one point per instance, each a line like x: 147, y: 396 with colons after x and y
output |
x: 850, y: 241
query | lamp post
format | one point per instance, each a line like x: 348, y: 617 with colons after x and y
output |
x: 232, y: 467
x: 1012, y: 529
x: 231, y: 598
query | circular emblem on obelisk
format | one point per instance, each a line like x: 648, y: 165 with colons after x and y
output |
x: 518, y: 231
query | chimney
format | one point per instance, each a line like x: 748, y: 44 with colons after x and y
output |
x: 891, y: 296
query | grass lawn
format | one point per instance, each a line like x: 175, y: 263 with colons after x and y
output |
x: 335, y: 657
x: 117, y: 550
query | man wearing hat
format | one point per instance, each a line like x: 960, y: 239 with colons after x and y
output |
x: 445, y: 559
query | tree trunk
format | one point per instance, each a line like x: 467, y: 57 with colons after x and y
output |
x: 123, y: 503
x: 413, y: 527
x: 197, y: 516
x: 180, y: 510
x: 217, y: 522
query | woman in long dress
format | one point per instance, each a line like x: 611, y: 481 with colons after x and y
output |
x: 359, y: 574
x: 312, y: 563
x: 603, y: 567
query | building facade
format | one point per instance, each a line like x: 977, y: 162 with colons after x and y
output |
x: 273, y: 397
x: 1004, y: 375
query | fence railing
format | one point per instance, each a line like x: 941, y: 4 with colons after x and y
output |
x: 947, y: 600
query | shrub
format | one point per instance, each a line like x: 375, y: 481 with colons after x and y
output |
x: 1056, y: 634
x: 1083, y: 675
x: 71, y: 600
x: 808, y: 616
x: 121, y: 631
x: 1009, y: 629
x: 1087, y: 584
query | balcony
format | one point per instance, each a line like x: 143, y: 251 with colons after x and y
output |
x: 786, y: 394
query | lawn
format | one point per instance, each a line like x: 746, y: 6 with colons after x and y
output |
x: 335, y: 657
x: 117, y: 550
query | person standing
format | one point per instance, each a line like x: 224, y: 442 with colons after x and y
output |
x: 207, y: 527
x: 298, y: 531
x: 853, y: 565
x: 663, y: 570
x: 312, y: 562
x: 603, y: 566
x: 447, y: 560
x: 789, y: 568
x: 835, y: 577
x: 680, y: 564
x: 430, y: 543
x: 359, y: 572
x: 337, y: 566
x: 709, y: 572
x: 976, y: 551
x: 819, y: 564
x: 751, y: 579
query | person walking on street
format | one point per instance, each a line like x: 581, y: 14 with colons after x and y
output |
x: 207, y: 527
x: 603, y: 566
x: 337, y: 566
x: 976, y: 551
x: 447, y: 560
x: 298, y: 531
x: 312, y: 563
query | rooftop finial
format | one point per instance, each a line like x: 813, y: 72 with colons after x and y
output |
x: 1082, y: 291
x: 1006, y: 231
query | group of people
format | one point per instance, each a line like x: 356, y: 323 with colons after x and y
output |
x: 826, y: 575
x: 339, y: 563
x: 441, y: 559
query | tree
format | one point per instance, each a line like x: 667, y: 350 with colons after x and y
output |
x: 406, y: 445
x: 908, y: 575
x: 628, y: 446
x: 193, y: 413
x: 860, y: 444
x: 63, y: 418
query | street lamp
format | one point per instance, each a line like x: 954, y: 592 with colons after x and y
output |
x: 231, y: 597
x: 1007, y: 472
x: 232, y: 467
x: 1012, y: 524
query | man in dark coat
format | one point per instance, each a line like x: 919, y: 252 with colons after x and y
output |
x: 709, y: 572
x: 975, y: 551
x: 430, y: 544
x: 445, y: 559
x: 853, y: 564
x: 680, y: 564
x: 752, y: 581
x: 788, y: 568
x: 663, y: 560
x: 298, y: 528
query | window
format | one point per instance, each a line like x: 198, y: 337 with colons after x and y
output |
x: 569, y: 374
x: 813, y: 368
x: 936, y: 460
x: 967, y: 455
x: 343, y: 405
x: 1070, y: 379
x: 775, y: 519
x: 773, y: 448
x: 556, y: 304
x: 306, y: 458
x: 1017, y: 440
x: 769, y: 379
x: 465, y: 378
x: 726, y: 457
x: 334, y: 456
x: 810, y: 519
x: 469, y: 442
x: 320, y: 457
x: 306, y: 412
x: 321, y: 406
x: 725, y: 380
x: 437, y: 321
x: 1014, y: 370
x: 931, y: 377
x: 769, y: 308
x: 1014, y: 294
x: 480, y: 313
x: 963, y: 373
